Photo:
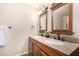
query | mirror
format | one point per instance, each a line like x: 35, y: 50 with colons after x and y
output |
x: 43, y: 21
x: 62, y: 18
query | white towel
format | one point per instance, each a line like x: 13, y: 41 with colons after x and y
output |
x: 3, y: 35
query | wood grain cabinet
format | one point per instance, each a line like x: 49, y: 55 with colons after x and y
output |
x: 37, y: 51
x: 37, y: 48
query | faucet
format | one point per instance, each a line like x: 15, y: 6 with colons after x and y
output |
x: 58, y: 37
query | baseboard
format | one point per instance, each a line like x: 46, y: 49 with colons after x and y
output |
x: 23, y: 54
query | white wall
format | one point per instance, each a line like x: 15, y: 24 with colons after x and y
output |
x: 20, y: 17
x: 49, y: 20
x: 76, y: 20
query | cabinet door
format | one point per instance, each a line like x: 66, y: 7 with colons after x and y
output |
x: 43, y: 53
x: 36, y: 50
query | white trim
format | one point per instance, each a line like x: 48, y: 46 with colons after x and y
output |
x: 20, y: 54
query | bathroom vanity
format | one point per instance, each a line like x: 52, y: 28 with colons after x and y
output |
x: 41, y: 46
x: 61, y: 23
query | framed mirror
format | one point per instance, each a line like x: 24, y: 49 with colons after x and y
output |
x: 62, y: 18
x: 43, y: 21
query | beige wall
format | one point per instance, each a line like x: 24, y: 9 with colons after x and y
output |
x: 76, y: 20
x: 20, y: 17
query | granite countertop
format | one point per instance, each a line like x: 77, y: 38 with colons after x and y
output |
x: 62, y: 46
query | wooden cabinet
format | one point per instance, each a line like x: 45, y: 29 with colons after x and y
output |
x: 43, y: 54
x: 37, y: 48
x: 37, y: 51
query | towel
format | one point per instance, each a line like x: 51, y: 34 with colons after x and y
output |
x: 3, y: 35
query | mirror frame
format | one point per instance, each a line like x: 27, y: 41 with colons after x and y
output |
x: 54, y: 7
x: 42, y: 14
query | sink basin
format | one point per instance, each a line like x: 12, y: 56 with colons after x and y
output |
x: 54, y: 41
